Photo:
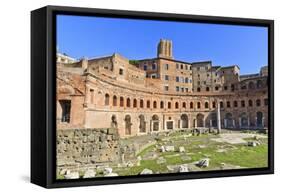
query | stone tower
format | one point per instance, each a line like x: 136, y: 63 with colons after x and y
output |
x: 165, y: 49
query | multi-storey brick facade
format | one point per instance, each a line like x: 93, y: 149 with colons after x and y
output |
x: 158, y: 94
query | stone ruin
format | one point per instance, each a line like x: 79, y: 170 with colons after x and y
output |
x: 81, y: 148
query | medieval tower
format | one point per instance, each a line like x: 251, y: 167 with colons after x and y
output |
x: 165, y: 49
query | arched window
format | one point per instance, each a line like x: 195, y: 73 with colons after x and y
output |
x: 258, y: 102
x: 114, y: 101
x: 228, y: 104
x: 191, y: 105
x: 214, y: 104
x: 250, y: 102
x: 161, y: 104
x: 198, y: 89
x: 106, y: 100
x: 198, y: 105
x: 221, y: 104
x: 135, y: 103
x: 148, y: 104
x: 121, y: 101
x: 169, y: 105
x: 206, y: 105
x: 141, y: 103
x: 154, y: 104
x: 207, y: 89
x: 235, y: 104
x: 128, y: 102
x: 184, y: 105
x: 176, y: 105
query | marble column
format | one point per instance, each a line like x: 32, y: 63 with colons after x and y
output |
x: 218, y: 117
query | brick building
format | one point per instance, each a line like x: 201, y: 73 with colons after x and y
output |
x: 159, y: 94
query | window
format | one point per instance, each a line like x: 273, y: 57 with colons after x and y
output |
x: 228, y: 104
x: 181, y: 66
x: 167, y: 66
x: 153, y: 76
x: 243, y: 103
x: 198, y: 68
x: 221, y: 104
x: 177, y: 79
x: 161, y: 104
x: 148, y: 104
x: 166, y: 77
x: 191, y: 105
x: 186, y: 89
x: 184, y: 105
x: 135, y: 103
x: 177, y: 66
x: 141, y: 103
x: 206, y: 105
x: 182, y: 79
x: 121, y: 71
x: 258, y: 102
x: 208, y: 75
x: 225, y: 87
x: 214, y: 104
x: 232, y: 87
x: 145, y: 67
x: 198, y: 105
x: 207, y: 89
x: 235, y: 104
x: 182, y: 89
x: 166, y: 88
x: 169, y: 105
x: 198, y: 89
x: 265, y: 102
x: 250, y: 103
x: 66, y: 107
x: 176, y: 105
x: 206, y: 68
x: 216, y: 88
x: 154, y: 104
x: 177, y: 88
x: 198, y: 82
x: 153, y: 66
x: 106, y: 100
x: 186, y: 67
x: 128, y: 102
x: 198, y: 75
x: 114, y: 101
x: 186, y: 80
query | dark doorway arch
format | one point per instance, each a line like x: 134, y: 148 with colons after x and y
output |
x: 200, y: 120
x: 128, y: 125
x: 184, y: 121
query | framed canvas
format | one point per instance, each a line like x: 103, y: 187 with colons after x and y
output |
x: 126, y: 96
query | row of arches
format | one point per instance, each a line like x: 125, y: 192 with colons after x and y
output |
x: 153, y: 123
x: 141, y: 103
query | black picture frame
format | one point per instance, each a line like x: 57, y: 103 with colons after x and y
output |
x: 43, y: 95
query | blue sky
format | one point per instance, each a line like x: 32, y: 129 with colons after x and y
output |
x: 81, y: 36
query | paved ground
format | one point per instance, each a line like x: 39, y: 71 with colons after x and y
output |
x: 236, y: 138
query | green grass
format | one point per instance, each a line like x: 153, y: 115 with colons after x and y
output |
x: 237, y: 155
